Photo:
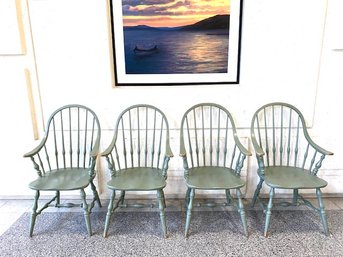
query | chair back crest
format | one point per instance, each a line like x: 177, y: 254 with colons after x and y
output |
x: 141, y: 138
x: 71, y: 139
x: 279, y: 131
x: 208, y: 137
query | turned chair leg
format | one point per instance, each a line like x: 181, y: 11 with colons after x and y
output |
x: 122, y: 197
x: 322, y: 211
x: 34, y: 212
x: 295, y: 196
x: 58, y: 198
x: 242, y: 211
x: 269, y: 211
x: 109, y: 213
x: 187, y: 197
x: 228, y: 196
x: 189, y: 211
x: 86, y: 211
x: 162, y: 205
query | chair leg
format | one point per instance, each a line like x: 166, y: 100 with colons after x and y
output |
x: 242, y: 211
x: 122, y: 197
x: 58, y: 199
x: 228, y: 196
x: 164, y: 200
x: 187, y: 197
x: 295, y: 196
x: 86, y: 211
x: 189, y: 210
x: 161, y: 203
x: 109, y: 213
x: 322, y: 211
x: 268, y: 211
x: 95, y: 193
x: 34, y: 212
x: 257, y: 192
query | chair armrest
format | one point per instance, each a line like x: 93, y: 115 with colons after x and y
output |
x: 322, y: 150
x: 243, y: 150
x: 95, y: 150
x: 182, y: 147
x: 317, y: 147
x: 36, y: 149
x: 258, y: 150
x: 110, y: 147
x: 169, y: 152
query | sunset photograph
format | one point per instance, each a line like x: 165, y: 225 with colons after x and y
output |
x: 179, y: 37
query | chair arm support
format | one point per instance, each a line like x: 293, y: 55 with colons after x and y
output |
x: 183, y: 154
x: 92, y: 170
x: 240, y: 164
x: 111, y: 165
x: 169, y: 154
x: 260, y: 163
x: 165, y: 166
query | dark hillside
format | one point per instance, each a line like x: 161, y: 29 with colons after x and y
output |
x: 215, y: 22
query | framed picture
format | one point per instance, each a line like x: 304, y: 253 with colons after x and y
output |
x: 176, y: 42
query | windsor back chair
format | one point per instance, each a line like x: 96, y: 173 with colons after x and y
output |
x: 66, y: 157
x: 138, y: 157
x: 213, y: 155
x: 287, y: 157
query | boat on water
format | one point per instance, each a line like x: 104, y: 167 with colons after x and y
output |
x: 145, y: 50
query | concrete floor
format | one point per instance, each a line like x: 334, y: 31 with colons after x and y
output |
x: 11, y: 210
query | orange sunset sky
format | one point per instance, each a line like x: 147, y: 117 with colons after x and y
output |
x: 171, y: 13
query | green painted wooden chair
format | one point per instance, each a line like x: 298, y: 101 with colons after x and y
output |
x: 65, y: 159
x: 138, y: 157
x: 213, y: 156
x: 287, y: 157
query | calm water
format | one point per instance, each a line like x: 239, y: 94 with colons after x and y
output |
x: 178, y: 52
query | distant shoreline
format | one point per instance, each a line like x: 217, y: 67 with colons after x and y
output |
x: 217, y: 22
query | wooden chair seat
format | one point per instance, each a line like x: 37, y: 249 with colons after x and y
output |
x: 137, y: 179
x: 213, y: 178
x: 62, y: 179
x: 292, y: 178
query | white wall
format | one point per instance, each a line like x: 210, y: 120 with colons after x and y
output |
x: 282, y: 60
x: 328, y: 120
